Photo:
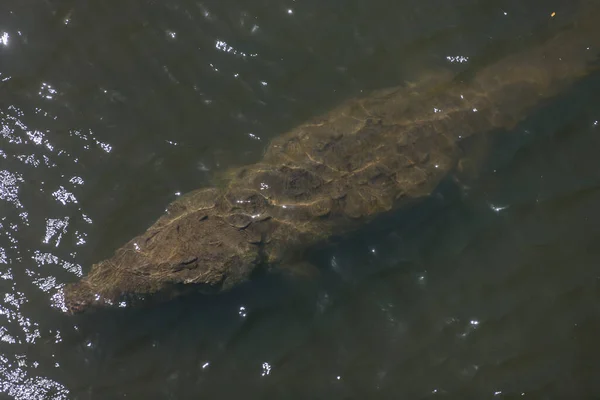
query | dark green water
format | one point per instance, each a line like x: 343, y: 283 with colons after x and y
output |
x: 490, y: 289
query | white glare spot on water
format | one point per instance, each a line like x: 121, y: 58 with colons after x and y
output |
x: 595, y: 123
x: 49, y: 259
x: 225, y: 47
x: 177, y: 193
x: 55, y: 228
x: 36, y: 137
x: 57, y: 300
x: 474, y: 110
x: 172, y: 143
x: 437, y: 166
x: 473, y: 324
x: 29, y: 160
x: 5, y: 337
x: 264, y: 83
x: 266, y: 369
x: 9, y: 189
x: 15, y: 300
x: 457, y: 59
x: 80, y: 238
x: 47, y: 91
x: 497, y: 393
x: 497, y: 208
x: 338, y: 377
x: 205, y: 365
x: 76, y: 180
x: 104, y: 146
x: 290, y: 11
x: 242, y: 312
x: 64, y: 196
x: 171, y: 34
x: 253, y: 136
x: 4, y: 38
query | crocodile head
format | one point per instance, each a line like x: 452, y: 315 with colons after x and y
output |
x: 192, y: 244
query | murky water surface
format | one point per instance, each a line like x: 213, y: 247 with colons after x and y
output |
x: 109, y: 110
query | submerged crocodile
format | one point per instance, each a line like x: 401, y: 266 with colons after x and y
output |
x: 329, y: 176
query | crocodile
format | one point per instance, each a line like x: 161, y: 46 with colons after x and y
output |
x: 368, y: 156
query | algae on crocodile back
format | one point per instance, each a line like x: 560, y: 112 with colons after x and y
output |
x: 366, y: 157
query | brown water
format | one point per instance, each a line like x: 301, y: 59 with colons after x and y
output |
x: 491, y: 289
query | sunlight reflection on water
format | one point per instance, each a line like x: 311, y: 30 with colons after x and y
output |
x: 29, y: 154
x: 107, y: 115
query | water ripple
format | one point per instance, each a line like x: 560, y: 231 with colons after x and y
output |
x: 107, y: 114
